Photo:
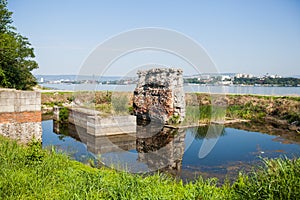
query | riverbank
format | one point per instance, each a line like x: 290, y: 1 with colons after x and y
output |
x: 201, y: 108
x: 192, y: 88
x: 28, y: 172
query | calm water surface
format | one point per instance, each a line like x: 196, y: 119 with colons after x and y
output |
x: 172, y: 150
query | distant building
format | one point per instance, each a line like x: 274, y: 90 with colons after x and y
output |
x: 205, y: 77
x: 244, y: 76
x: 226, y: 78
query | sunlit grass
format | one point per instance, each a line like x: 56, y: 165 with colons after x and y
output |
x: 33, y: 173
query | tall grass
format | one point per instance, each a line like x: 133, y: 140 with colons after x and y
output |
x: 204, y: 114
x: 27, y: 172
x: 246, y: 111
x: 278, y: 179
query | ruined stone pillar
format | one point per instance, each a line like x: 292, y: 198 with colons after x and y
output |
x: 159, y: 95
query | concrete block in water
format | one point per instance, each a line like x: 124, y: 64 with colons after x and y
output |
x: 111, y: 126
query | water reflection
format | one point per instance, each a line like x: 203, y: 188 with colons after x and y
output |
x: 160, y: 147
x: 156, y: 147
x: 176, y: 151
x: 96, y: 145
x: 200, y: 132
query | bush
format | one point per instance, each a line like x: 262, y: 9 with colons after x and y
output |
x: 120, y: 104
x: 64, y: 115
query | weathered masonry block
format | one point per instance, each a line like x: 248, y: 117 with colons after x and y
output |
x: 159, y: 95
x: 20, y: 115
x: 96, y: 125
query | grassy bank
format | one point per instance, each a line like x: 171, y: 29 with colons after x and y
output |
x: 281, y: 110
x: 32, y: 173
x: 200, y: 107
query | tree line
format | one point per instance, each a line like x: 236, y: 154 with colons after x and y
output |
x: 16, y: 54
x: 268, y: 81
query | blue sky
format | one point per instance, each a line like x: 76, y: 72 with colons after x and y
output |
x: 255, y: 36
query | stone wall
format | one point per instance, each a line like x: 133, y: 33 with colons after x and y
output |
x: 96, y: 125
x: 113, y: 125
x: 20, y: 115
x: 159, y: 95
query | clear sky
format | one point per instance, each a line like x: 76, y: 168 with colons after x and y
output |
x: 257, y: 36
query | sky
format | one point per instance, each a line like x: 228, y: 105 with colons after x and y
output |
x: 255, y: 37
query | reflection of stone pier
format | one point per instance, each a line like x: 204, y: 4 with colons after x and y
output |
x: 97, y: 144
x: 161, y: 150
x: 157, y: 146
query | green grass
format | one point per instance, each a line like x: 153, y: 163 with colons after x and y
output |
x: 246, y: 111
x: 27, y: 172
x: 52, y: 104
x: 55, y: 92
x: 279, y: 179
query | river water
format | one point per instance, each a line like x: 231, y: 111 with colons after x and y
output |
x: 175, y: 151
x: 262, y: 90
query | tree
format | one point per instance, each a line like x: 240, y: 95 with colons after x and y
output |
x: 16, y: 54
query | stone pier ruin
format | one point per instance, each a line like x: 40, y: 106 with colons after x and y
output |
x: 159, y: 96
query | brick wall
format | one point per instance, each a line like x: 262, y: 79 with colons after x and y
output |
x: 20, y: 114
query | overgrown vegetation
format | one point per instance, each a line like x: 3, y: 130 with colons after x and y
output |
x: 28, y: 172
x: 106, y: 102
x: 199, y: 106
x: 204, y: 108
x: 63, y: 115
x: 246, y: 111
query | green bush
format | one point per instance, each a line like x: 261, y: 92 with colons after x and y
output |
x: 292, y: 117
x: 246, y: 111
x: 120, y: 104
x: 64, y: 115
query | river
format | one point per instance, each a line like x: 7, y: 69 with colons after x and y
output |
x: 260, y: 90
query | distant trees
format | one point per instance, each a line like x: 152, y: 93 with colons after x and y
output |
x: 268, y: 81
x: 16, y: 54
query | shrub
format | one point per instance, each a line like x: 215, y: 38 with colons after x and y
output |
x: 64, y: 115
